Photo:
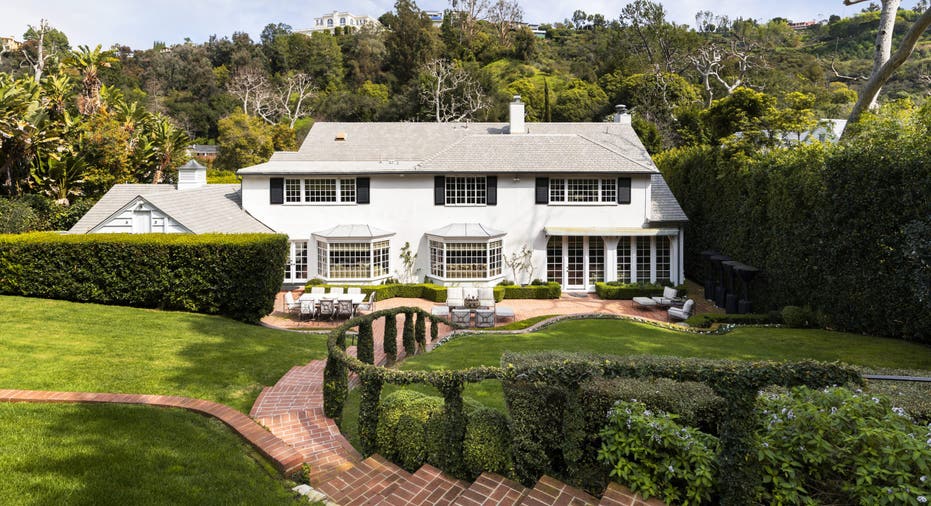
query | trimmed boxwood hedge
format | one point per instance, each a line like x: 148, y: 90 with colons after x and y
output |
x: 615, y: 290
x: 437, y: 293
x: 236, y: 275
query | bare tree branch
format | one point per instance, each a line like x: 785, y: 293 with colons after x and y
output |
x: 712, y: 60
x: 452, y: 93
x: 293, y: 97
x: 505, y: 14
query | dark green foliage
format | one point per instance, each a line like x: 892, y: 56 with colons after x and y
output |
x: 798, y: 317
x: 407, y: 338
x: 836, y: 227
x: 17, y: 217
x: 335, y: 389
x: 618, y: 290
x: 390, y: 341
x: 487, y: 444
x: 411, y: 441
x: 434, y: 330
x: 420, y: 332
x: 232, y: 275
x: 365, y: 349
x: 369, y: 415
x: 705, y: 320
x: 427, y: 291
x: 391, y: 435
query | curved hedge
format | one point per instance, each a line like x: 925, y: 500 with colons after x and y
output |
x: 737, y: 383
x: 236, y: 275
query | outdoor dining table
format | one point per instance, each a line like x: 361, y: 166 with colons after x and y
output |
x: 357, y: 298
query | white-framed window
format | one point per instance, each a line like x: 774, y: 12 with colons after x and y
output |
x: 554, y: 259
x: 342, y: 21
x: 643, y: 259
x: 329, y: 22
x: 320, y: 191
x: 352, y: 259
x: 466, y: 190
x: 576, y: 190
x: 596, y: 260
x: 663, y: 257
x: 623, y: 260
x: 465, y: 260
x: 296, y: 270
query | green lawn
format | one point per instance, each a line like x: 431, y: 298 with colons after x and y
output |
x: 56, y: 345
x: 113, y: 454
x: 622, y: 337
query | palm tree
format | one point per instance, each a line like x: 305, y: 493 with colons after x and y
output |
x: 169, y: 144
x: 25, y: 130
x: 86, y: 61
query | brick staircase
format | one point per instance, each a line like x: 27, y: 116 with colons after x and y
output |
x: 293, y: 411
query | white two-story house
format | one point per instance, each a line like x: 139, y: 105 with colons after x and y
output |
x: 584, y: 198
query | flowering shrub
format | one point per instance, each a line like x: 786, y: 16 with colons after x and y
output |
x: 653, y: 455
x: 836, y: 446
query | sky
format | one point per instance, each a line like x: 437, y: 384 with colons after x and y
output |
x: 138, y: 23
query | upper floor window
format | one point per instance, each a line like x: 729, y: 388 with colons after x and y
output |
x: 320, y: 190
x: 329, y: 22
x: 582, y: 190
x: 466, y: 191
x: 342, y: 21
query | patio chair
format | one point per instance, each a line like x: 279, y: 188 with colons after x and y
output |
x: 486, y: 297
x: 353, y: 290
x: 317, y: 290
x: 454, y: 297
x: 670, y: 296
x: 461, y: 317
x: 344, y: 308
x: 368, y: 305
x: 336, y: 290
x: 681, y: 313
x: 290, y: 305
x: 485, y: 318
x: 327, y: 308
x: 307, y: 308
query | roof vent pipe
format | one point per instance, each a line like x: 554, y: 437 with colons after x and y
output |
x: 621, y: 114
x: 516, y: 116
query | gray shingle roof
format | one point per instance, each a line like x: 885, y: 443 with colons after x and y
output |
x: 664, y: 206
x: 213, y: 208
x: 444, y: 147
x: 353, y: 232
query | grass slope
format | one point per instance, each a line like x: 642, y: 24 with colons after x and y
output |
x: 112, y: 454
x: 56, y: 345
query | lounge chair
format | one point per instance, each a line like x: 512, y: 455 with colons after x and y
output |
x: 454, y: 297
x: 681, y: 313
x: 486, y: 297
x: 670, y: 297
x: 368, y: 305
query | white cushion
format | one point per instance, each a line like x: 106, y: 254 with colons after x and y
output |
x: 670, y: 292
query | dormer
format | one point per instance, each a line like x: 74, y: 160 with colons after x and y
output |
x: 192, y: 175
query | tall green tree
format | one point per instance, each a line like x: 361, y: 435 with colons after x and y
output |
x: 411, y: 41
x: 244, y: 141
x: 86, y: 61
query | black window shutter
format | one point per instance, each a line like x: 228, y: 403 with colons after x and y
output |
x: 543, y: 190
x: 362, y: 190
x: 276, y: 190
x: 491, y: 190
x: 623, y: 190
x: 439, y: 191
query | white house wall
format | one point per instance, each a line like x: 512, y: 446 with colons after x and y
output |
x: 123, y: 223
x: 404, y: 205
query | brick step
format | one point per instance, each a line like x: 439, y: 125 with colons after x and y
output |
x: 549, y: 491
x: 357, y: 485
x: 619, y: 495
x: 490, y: 489
x: 428, y: 485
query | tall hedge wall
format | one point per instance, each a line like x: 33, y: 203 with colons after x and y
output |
x: 843, y: 228
x: 232, y: 275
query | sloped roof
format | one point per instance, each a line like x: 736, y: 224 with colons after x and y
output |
x: 353, y: 232
x: 664, y: 206
x: 446, y: 147
x: 214, y: 208
x: 466, y: 231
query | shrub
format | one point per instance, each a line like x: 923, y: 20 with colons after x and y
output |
x: 16, y: 217
x: 798, y: 317
x: 618, y: 290
x: 537, y: 282
x: 407, y: 336
x: 411, y: 439
x: 316, y: 282
x: 413, y: 405
x: 836, y: 446
x: 236, y: 275
x: 705, y: 320
x: 506, y: 282
x: 655, y: 456
x: 487, y: 444
x: 391, y: 338
x: 550, y: 290
x: 365, y: 347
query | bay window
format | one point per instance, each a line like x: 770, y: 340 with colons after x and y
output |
x: 465, y: 260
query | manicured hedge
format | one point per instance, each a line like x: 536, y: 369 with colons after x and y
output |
x: 233, y: 275
x: 615, y: 290
x: 437, y: 293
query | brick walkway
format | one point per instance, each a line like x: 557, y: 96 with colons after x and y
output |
x: 285, y: 458
x: 293, y: 411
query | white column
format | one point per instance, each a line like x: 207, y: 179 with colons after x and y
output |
x: 611, y: 257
